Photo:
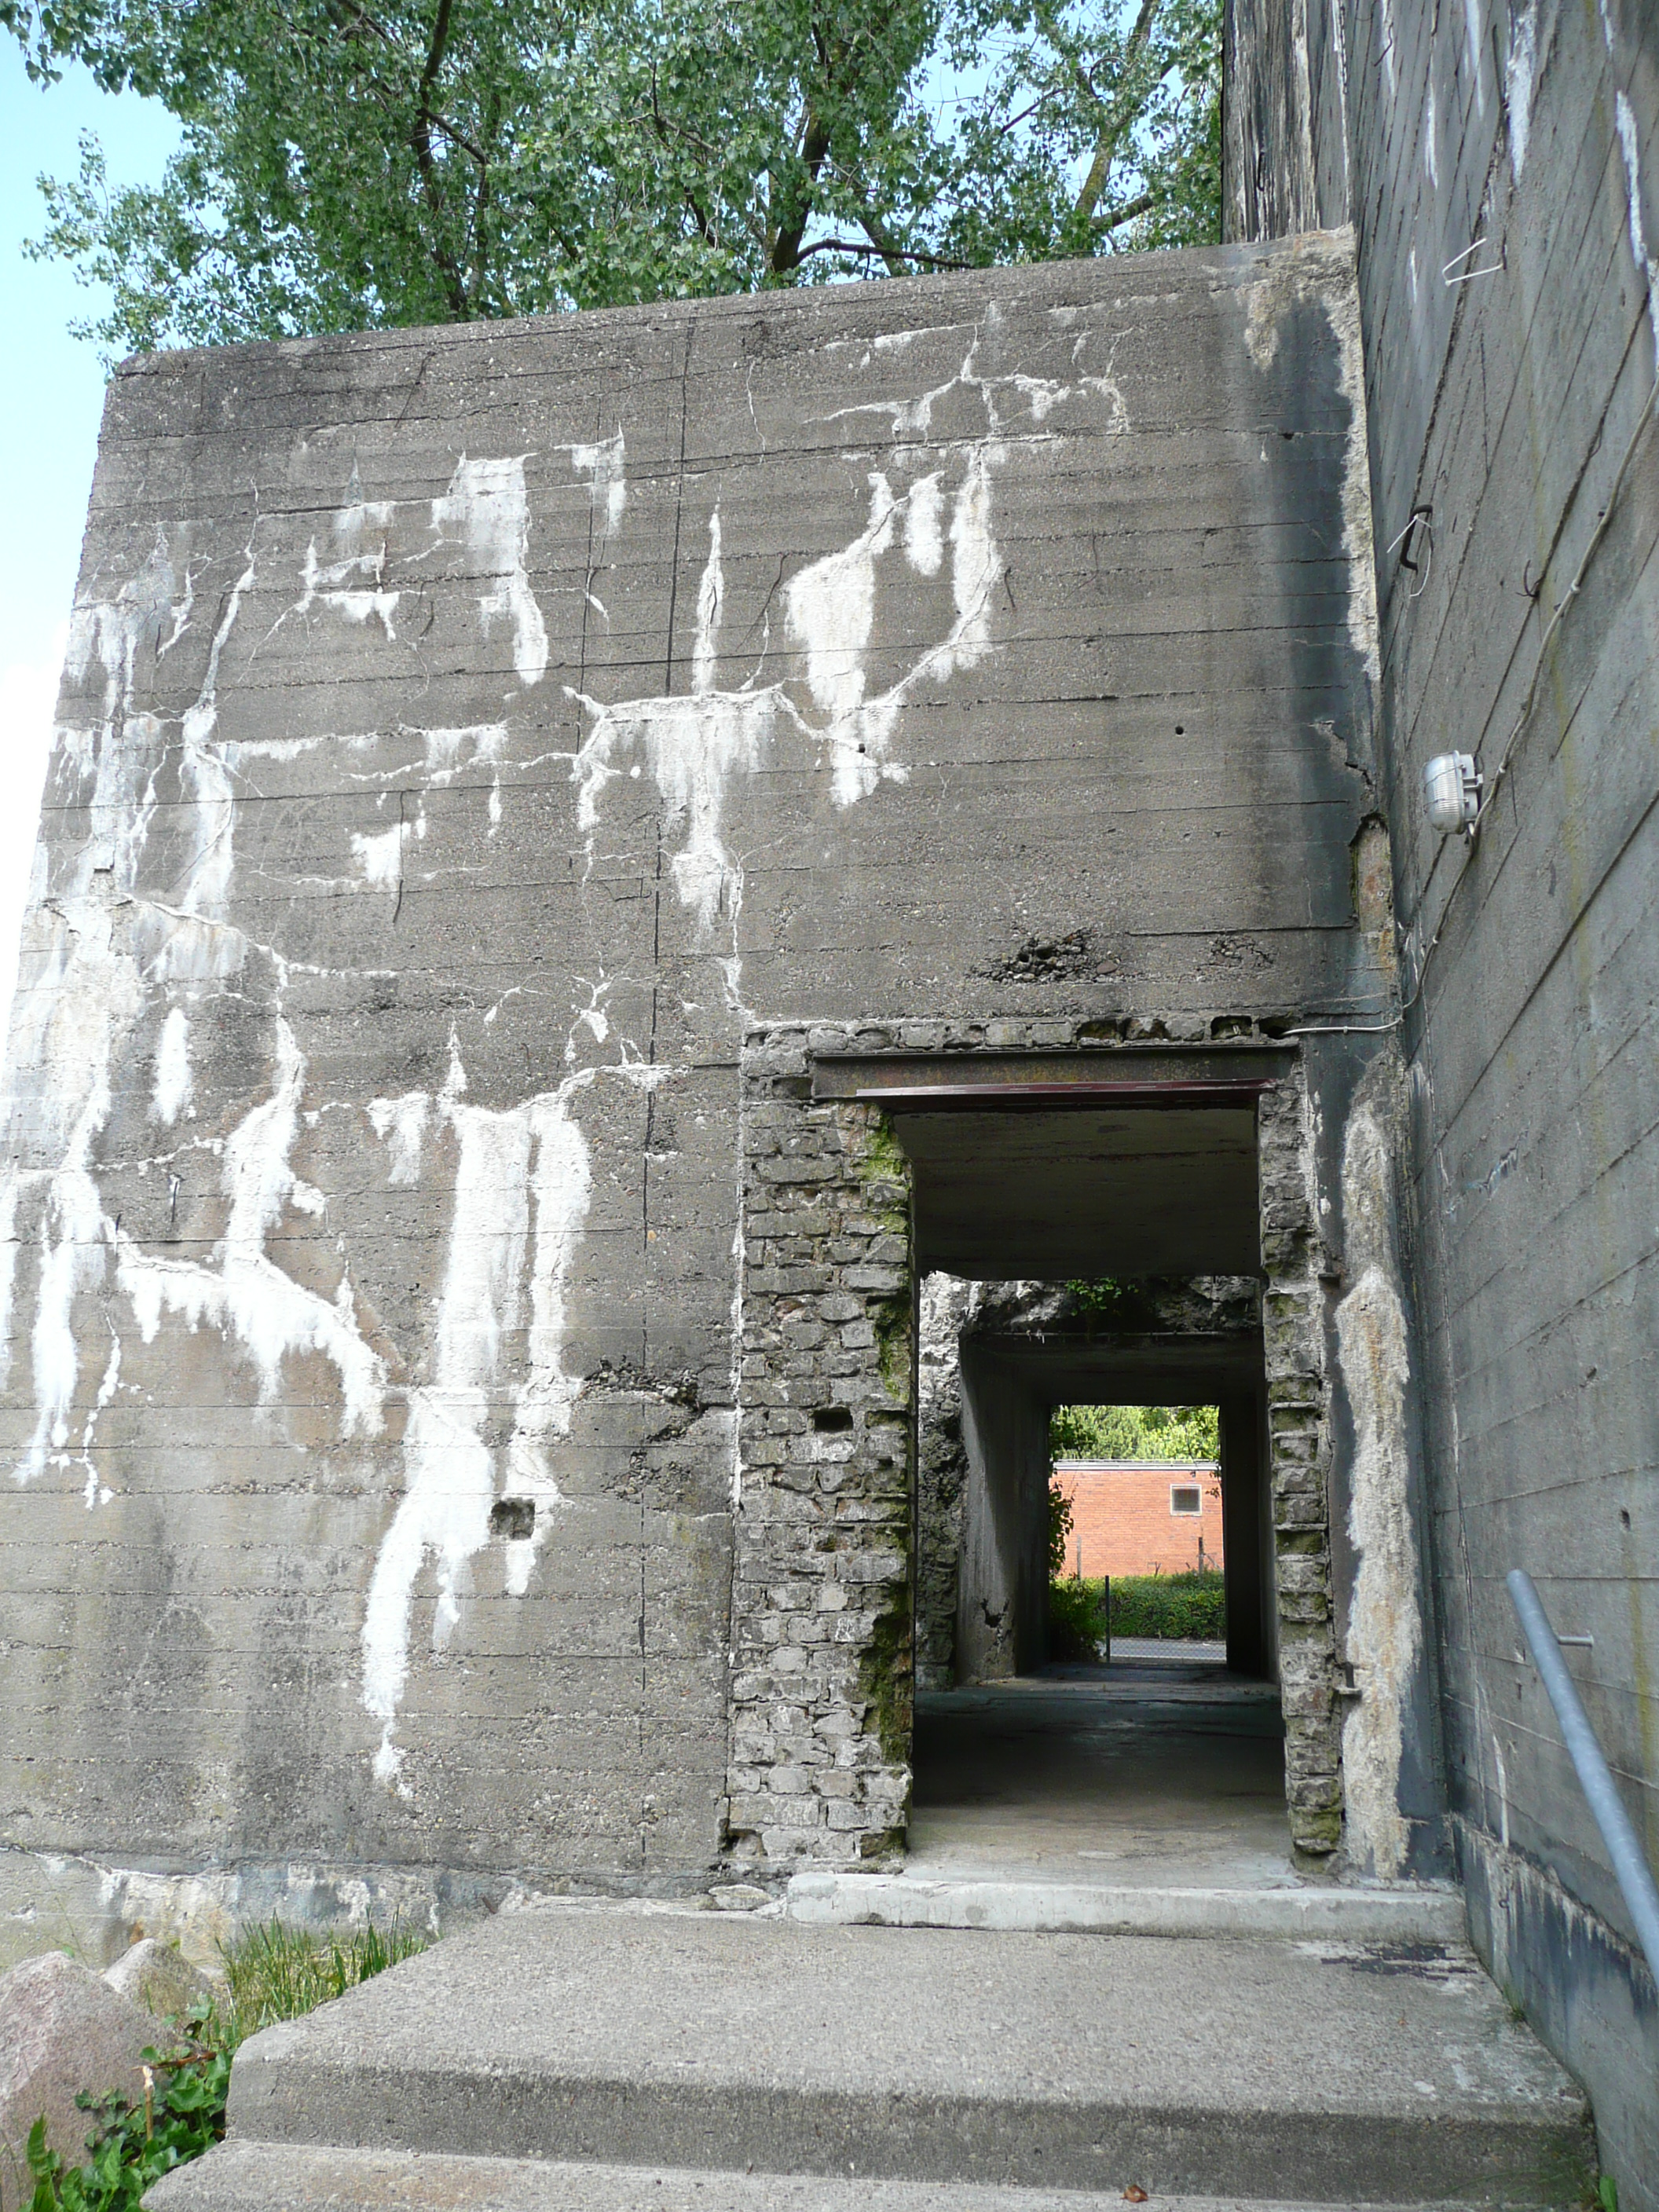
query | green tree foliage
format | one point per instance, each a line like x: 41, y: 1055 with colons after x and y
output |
x: 1060, y: 1530
x: 344, y: 165
x: 1181, y: 1432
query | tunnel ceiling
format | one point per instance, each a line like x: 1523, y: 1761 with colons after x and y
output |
x: 1150, y: 1189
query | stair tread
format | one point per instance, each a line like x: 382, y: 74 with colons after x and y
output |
x: 1300, y: 2069
x: 243, y: 2176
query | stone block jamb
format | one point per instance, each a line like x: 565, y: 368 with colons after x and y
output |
x: 822, y: 1637
x: 1296, y: 1271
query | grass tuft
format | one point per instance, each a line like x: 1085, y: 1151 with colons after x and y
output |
x: 271, y: 1973
x: 275, y: 1972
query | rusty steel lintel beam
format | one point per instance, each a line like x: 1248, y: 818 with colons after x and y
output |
x: 1046, y: 1097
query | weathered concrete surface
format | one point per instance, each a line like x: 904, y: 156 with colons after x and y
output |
x: 1161, y: 1774
x: 1265, y: 2069
x: 62, y: 2031
x: 250, y: 2176
x: 1501, y: 167
x: 478, y: 745
x: 1002, y: 1903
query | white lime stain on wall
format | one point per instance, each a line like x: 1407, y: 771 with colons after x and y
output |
x: 523, y: 1182
x: 244, y: 1294
x: 353, y: 584
x: 603, y: 462
x: 173, y: 1087
x: 486, y: 513
x: 694, y: 743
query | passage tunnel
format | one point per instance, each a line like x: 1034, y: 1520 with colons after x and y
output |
x: 1058, y: 1179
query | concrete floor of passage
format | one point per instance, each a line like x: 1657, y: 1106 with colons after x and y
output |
x: 1151, y: 1773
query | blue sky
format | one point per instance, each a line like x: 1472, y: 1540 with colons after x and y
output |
x: 52, y: 386
x: 52, y: 394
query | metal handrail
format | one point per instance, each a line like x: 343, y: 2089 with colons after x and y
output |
x: 1635, y: 1878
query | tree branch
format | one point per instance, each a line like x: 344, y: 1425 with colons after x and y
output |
x: 434, y: 115
x: 1123, y: 112
x: 431, y: 183
x: 880, y: 252
x: 1126, y: 213
x: 786, y: 247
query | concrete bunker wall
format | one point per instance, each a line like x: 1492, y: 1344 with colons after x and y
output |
x: 473, y: 741
x: 1514, y: 446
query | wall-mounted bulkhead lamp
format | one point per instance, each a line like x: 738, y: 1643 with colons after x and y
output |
x: 1452, y: 786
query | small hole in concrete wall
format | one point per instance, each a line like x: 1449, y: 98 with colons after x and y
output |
x: 1180, y: 729
x: 830, y: 1418
x: 513, y: 1518
x: 1624, y: 1518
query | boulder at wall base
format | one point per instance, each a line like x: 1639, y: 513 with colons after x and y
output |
x: 61, y: 2030
x: 160, y: 1978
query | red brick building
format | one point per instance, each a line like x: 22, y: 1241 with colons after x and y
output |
x: 1136, y: 1516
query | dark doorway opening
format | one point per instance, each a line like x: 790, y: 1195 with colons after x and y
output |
x: 1129, y: 1230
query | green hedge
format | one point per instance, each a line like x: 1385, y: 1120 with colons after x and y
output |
x: 1189, y: 1608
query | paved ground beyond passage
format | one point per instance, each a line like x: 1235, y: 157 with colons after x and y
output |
x: 673, y: 2040
x: 1147, y: 1771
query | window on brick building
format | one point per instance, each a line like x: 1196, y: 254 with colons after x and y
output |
x: 1184, y: 1497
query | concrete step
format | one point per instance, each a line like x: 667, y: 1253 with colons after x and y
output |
x: 1417, y: 1915
x: 1251, y: 2068
x: 256, y: 2177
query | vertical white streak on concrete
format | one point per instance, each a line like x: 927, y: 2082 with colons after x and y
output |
x: 603, y: 464
x: 400, y: 1124
x: 205, y: 775
x: 73, y: 1260
x: 174, y: 1087
x: 1387, y: 33
x: 561, y: 1183
x: 124, y: 751
x: 976, y: 567
x: 1518, y: 87
x: 86, y: 993
x: 1385, y: 1628
x: 11, y: 1184
x: 1473, y: 45
x: 486, y: 511
x: 448, y: 1466
x: 924, y: 542
x: 861, y: 738
x: 711, y: 594
x: 1338, y: 33
x: 1646, y: 266
x: 1431, y: 150
x: 1502, y: 1789
x: 831, y: 608
x: 93, y: 949
x: 1323, y: 270
x: 1357, y: 539
x: 105, y: 1391
x: 246, y: 1295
